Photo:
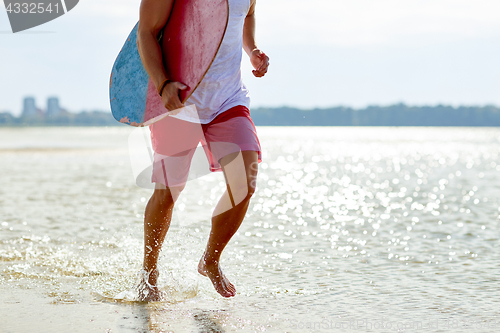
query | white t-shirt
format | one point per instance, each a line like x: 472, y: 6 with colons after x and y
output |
x: 222, y: 87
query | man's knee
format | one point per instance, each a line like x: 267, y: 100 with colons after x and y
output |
x: 242, y: 191
x: 167, y: 196
x: 251, y: 186
x: 252, y: 179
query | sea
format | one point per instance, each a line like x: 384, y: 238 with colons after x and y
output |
x: 351, y: 229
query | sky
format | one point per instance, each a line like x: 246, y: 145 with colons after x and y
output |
x: 323, y: 53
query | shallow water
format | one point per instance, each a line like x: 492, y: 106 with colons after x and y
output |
x: 351, y: 229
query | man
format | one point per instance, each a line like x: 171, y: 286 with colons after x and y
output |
x: 222, y: 123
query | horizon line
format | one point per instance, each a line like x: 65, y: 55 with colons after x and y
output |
x: 312, y: 108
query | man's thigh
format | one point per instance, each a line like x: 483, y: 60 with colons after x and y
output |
x: 174, y: 143
x: 171, y: 136
x: 230, y: 137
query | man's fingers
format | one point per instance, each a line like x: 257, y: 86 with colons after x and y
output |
x: 259, y: 74
x: 262, y: 70
x: 172, y: 107
x: 180, y: 86
x: 265, y: 62
x: 174, y: 104
x: 172, y: 100
x: 263, y: 67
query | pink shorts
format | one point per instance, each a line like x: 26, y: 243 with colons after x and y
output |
x: 174, y: 143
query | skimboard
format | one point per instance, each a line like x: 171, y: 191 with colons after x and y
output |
x: 190, y: 41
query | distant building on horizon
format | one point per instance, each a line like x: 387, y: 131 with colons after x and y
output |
x: 29, y: 107
x: 53, y: 108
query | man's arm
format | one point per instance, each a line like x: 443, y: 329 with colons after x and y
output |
x: 153, y: 15
x: 259, y: 60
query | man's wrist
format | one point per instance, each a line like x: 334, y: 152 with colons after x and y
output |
x: 162, y: 86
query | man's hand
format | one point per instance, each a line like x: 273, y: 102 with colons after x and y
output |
x: 170, y: 97
x: 260, y: 61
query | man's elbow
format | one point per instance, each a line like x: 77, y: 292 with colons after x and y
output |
x: 143, y: 34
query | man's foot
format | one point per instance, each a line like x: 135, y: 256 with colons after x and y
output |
x: 219, y: 280
x: 146, y: 287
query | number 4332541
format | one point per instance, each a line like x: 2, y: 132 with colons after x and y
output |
x: 32, y: 8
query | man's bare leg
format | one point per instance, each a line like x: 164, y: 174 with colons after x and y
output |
x: 156, y: 223
x: 240, y: 171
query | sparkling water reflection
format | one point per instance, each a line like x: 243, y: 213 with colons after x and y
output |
x: 348, y: 225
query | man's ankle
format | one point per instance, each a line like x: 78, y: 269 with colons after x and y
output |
x: 210, y: 261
